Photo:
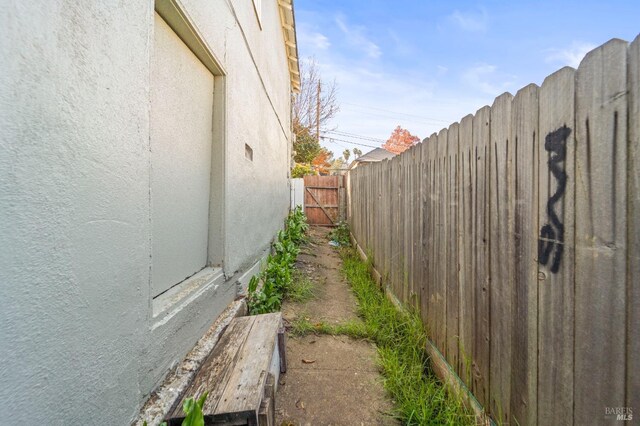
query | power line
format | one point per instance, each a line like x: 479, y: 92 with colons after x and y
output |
x: 353, y: 135
x: 331, y: 138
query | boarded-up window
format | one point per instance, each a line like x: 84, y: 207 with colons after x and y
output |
x: 181, y: 140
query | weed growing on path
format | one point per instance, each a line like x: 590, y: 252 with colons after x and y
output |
x: 401, y: 339
x: 421, y: 399
x: 302, y: 288
x: 302, y: 326
x: 341, y: 234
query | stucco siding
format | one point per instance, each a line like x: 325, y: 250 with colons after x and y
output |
x: 79, y: 343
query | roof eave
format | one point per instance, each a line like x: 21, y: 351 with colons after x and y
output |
x: 288, y: 22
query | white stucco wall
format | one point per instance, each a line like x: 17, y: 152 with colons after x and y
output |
x: 78, y: 340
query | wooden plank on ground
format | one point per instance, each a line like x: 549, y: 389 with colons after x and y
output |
x: 242, y: 394
x: 451, y: 204
x: 556, y: 189
x: 480, y: 213
x: 217, y: 368
x: 501, y: 257
x: 600, y: 299
x: 633, y: 231
x: 524, y: 139
x: 465, y: 264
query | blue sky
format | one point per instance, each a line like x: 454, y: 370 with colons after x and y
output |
x: 426, y: 64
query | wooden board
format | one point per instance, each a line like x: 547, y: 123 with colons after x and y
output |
x: 422, y: 242
x: 214, y: 372
x: 432, y: 146
x: 236, y: 371
x: 524, y: 139
x: 451, y: 205
x: 465, y: 253
x: 501, y: 256
x: 601, y: 117
x: 633, y: 232
x: 241, y: 393
x: 555, y: 289
x: 441, y: 232
x: 481, y: 315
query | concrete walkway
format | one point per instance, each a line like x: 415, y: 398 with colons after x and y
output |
x: 331, y: 380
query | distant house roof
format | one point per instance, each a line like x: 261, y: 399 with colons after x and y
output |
x: 374, y: 156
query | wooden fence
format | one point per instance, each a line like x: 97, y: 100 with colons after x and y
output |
x: 516, y: 233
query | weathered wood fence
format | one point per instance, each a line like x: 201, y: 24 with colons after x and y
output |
x: 516, y: 233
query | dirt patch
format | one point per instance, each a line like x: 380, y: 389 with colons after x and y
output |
x: 331, y: 380
x: 334, y: 302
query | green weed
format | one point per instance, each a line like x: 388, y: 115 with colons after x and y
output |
x: 302, y: 289
x: 302, y: 326
x: 341, y: 234
x: 277, y: 276
x: 192, y: 410
x: 420, y: 397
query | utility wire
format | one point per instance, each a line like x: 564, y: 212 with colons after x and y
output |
x: 353, y: 135
x: 331, y: 138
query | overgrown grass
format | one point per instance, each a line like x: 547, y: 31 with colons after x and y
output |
x: 302, y: 326
x: 421, y: 399
x: 301, y: 289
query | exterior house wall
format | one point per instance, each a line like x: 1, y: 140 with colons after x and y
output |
x: 80, y: 337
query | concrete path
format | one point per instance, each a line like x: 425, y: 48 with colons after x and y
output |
x: 331, y: 380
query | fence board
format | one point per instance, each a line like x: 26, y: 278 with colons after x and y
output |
x: 633, y: 233
x: 480, y: 242
x: 423, y: 237
x: 433, y: 255
x: 397, y: 254
x: 524, y: 139
x: 600, y: 231
x: 406, y: 222
x: 465, y: 264
x: 441, y: 292
x: 415, y: 228
x: 451, y: 281
x: 555, y: 289
x: 501, y: 299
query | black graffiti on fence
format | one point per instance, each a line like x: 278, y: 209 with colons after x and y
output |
x: 552, y: 234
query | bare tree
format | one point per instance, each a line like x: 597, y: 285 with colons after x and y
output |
x: 316, y: 103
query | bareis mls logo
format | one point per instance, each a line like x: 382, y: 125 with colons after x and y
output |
x: 618, y: 413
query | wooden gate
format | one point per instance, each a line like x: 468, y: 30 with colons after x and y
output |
x: 323, y: 198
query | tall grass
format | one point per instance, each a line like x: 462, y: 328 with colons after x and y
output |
x: 421, y: 399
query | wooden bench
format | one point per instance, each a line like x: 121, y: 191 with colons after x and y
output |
x: 241, y: 374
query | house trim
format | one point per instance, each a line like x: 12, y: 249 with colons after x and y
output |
x: 288, y: 22
x: 175, y: 16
